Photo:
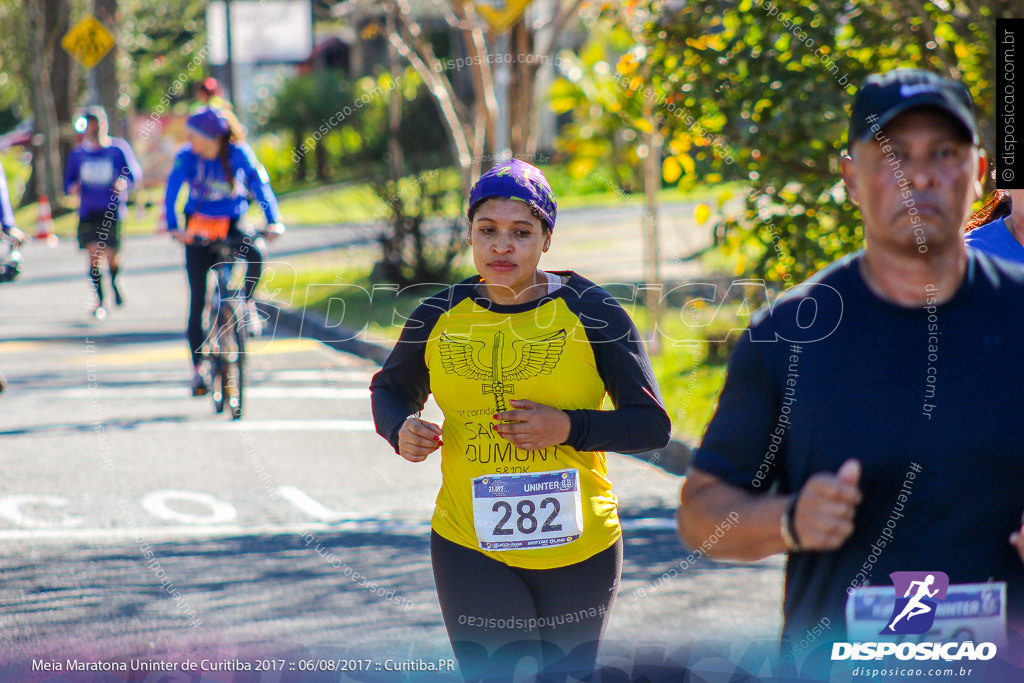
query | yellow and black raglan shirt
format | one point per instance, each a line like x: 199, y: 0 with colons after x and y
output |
x: 568, y: 349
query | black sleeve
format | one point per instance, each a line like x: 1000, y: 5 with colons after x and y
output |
x: 737, y: 440
x: 639, y: 421
x: 402, y: 386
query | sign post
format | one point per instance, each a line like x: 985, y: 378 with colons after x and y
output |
x: 500, y: 15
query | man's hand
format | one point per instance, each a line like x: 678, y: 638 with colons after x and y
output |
x: 1017, y: 539
x: 418, y: 438
x: 825, y: 508
x: 535, y: 426
x: 120, y: 185
x: 181, y: 236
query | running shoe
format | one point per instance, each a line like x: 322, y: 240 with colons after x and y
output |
x: 199, y: 387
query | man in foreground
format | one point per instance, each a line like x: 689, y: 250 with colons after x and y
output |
x: 869, y: 422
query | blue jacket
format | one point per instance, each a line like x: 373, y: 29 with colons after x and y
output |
x: 209, y: 191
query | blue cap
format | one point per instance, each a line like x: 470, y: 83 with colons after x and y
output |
x: 208, y: 122
x: 515, y: 179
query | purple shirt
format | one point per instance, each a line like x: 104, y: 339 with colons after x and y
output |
x: 97, y: 169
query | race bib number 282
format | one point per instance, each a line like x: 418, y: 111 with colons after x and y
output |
x: 521, y: 511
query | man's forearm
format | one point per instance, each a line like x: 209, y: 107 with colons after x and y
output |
x: 755, y: 536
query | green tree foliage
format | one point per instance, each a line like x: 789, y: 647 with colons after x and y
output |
x: 165, y: 44
x: 761, y: 92
x: 342, y: 124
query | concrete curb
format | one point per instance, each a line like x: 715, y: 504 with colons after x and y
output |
x: 312, y: 325
x: 673, y: 458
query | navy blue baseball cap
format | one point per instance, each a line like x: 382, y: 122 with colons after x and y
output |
x: 885, y: 96
x: 516, y: 179
x: 209, y: 122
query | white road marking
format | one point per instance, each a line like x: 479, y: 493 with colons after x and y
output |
x: 313, y: 508
x: 156, y: 504
x: 10, y: 508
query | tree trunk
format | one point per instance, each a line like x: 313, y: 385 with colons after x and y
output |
x: 108, y: 84
x: 320, y: 154
x: 299, y: 154
x: 47, y: 169
x: 63, y: 75
x: 520, y: 99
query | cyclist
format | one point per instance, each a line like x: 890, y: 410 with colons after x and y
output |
x: 101, y: 169
x: 526, y: 543
x: 219, y: 168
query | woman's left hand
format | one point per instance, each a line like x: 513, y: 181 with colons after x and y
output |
x: 274, y: 230
x: 535, y: 426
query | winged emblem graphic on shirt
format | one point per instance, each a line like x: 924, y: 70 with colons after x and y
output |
x: 532, y: 357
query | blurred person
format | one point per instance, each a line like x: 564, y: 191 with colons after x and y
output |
x: 861, y: 442
x: 101, y: 170
x: 997, y: 228
x: 220, y: 170
x: 7, y: 224
x: 526, y: 544
x: 208, y: 93
x: 9, y: 229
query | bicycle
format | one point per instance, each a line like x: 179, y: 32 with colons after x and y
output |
x: 223, y: 349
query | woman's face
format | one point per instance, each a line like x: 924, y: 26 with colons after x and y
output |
x: 202, y: 145
x: 508, y: 241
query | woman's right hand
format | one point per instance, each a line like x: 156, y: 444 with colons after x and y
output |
x: 418, y: 438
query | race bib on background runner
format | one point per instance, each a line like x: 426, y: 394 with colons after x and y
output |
x: 970, y: 611
x: 97, y: 172
x: 521, y: 511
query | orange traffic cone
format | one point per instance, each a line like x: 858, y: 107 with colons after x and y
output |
x: 44, y: 223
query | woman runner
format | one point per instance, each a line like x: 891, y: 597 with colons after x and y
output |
x: 526, y: 544
x: 220, y: 169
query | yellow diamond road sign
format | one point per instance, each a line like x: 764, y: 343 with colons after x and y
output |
x: 501, y: 14
x: 88, y: 41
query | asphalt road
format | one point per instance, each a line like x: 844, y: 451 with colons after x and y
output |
x: 135, y: 523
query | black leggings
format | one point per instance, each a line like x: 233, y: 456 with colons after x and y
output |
x: 198, y: 261
x: 497, y: 615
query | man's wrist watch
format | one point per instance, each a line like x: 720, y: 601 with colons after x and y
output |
x: 788, y: 525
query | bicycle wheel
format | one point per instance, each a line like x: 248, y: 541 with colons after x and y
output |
x: 231, y: 374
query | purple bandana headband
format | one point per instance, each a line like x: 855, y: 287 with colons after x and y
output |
x: 515, y: 179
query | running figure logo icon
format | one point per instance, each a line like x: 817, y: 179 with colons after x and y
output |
x: 532, y: 357
x: 914, y: 613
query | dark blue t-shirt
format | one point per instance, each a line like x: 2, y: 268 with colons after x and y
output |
x: 928, y: 400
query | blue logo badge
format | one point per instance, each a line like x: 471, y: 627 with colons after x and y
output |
x: 921, y: 592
